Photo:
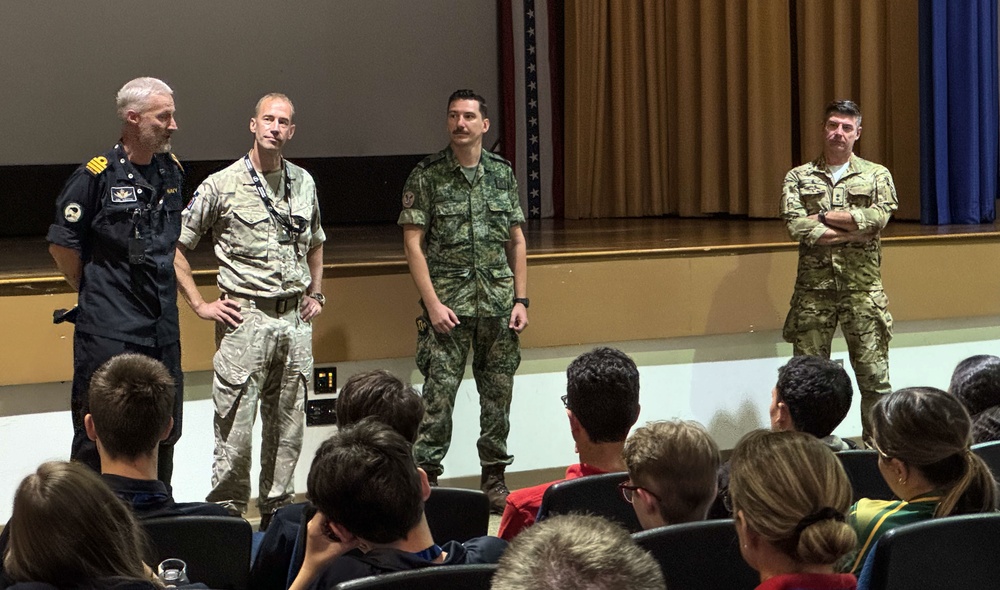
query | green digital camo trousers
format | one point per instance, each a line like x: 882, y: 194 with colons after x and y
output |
x: 265, y: 361
x: 496, y: 354
x: 867, y: 326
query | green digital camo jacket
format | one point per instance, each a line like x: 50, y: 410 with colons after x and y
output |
x: 867, y: 192
x: 466, y: 226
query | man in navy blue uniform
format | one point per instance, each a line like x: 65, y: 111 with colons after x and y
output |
x: 116, y: 226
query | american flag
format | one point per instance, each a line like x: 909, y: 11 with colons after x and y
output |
x: 531, y: 73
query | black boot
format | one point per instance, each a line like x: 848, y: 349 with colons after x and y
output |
x: 493, y: 484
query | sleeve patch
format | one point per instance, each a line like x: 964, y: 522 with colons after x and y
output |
x: 73, y: 212
x: 408, y: 198
x: 97, y: 164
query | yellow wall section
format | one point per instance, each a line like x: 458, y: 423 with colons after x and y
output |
x: 590, y: 300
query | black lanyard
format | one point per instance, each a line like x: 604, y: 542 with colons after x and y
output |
x: 292, y: 229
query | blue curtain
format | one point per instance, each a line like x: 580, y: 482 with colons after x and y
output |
x: 958, y: 111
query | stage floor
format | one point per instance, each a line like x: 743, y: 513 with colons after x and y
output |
x: 27, y: 269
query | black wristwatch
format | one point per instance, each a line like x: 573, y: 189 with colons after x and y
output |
x: 523, y: 301
x: 321, y: 298
x: 822, y: 217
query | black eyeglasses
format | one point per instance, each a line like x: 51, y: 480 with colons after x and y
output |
x: 565, y: 401
x: 628, y: 491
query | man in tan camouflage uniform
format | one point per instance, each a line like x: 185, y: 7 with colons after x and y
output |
x: 265, y: 222
x: 835, y: 207
x: 462, y: 236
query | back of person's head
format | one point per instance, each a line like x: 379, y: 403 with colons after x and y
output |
x: 578, y: 552
x: 677, y: 461
x: 131, y: 400
x: 602, y: 391
x: 365, y: 479
x: 976, y: 382
x: 381, y: 395
x: 791, y: 490
x: 68, y: 529
x: 930, y: 431
x: 817, y: 393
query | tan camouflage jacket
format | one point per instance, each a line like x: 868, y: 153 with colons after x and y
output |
x: 466, y: 226
x: 867, y: 192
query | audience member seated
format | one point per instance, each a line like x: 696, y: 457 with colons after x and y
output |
x: 68, y: 530
x: 790, y: 495
x: 602, y: 404
x: 131, y: 409
x: 922, y: 436
x: 373, y: 394
x: 976, y: 382
x: 672, y: 468
x: 370, y: 495
x: 812, y: 395
x: 575, y: 551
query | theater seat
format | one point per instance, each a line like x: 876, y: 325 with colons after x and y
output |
x: 215, y: 548
x: 861, y: 466
x: 989, y: 452
x: 593, y: 494
x: 951, y: 552
x: 456, y: 514
x: 699, y: 555
x: 442, y: 577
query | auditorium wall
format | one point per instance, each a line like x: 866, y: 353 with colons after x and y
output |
x: 704, y: 328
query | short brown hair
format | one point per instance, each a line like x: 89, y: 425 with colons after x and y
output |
x: 678, y: 461
x: 382, y: 396
x: 131, y: 400
x: 273, y: 96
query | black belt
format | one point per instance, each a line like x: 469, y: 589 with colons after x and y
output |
x: 278, y: 305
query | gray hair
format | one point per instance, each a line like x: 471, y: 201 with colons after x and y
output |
x: 576, y: 551
x: 135, y: 94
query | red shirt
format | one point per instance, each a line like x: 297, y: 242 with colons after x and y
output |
x: 522, y: 505
x: 810, y: 582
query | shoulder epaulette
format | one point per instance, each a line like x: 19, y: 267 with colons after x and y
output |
x: 176, y: 161
x: 96, y: 165
x: 496, y: 157
x: 431, y: 159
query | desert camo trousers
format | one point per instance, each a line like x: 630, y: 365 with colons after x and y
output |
x: 266, y: 361
x: 865, y: 321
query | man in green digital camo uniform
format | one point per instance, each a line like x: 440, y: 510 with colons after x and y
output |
x: 264, y: 216
x: 462, y: 236
x: 835, y: 206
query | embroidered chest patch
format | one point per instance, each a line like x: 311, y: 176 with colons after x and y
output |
x: 123, y: 194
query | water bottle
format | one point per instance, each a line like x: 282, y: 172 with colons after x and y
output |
x: 172, y: 572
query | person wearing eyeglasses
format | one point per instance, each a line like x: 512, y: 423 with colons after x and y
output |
x: 923, y: 437
x: 835, y: 207
x: 602, y: 404
x: 672, y: 466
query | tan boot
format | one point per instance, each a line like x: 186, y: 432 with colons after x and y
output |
x: 493, y: 484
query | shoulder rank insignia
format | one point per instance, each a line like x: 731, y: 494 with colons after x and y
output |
x: 176, y: 161
x: 97, y: 164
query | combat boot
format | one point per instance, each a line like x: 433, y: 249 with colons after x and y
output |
x: 493, y: 484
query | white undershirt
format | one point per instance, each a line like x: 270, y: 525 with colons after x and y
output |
x: 837, y: 172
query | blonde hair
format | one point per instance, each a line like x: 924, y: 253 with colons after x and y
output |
x: 68, y: 528
x: 931, y: 431
x: 678, y: 461
x: 792, y: 491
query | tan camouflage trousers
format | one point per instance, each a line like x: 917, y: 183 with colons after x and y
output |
x: 867, y: 326
x: 267, y: 362
x: 496, y: 354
